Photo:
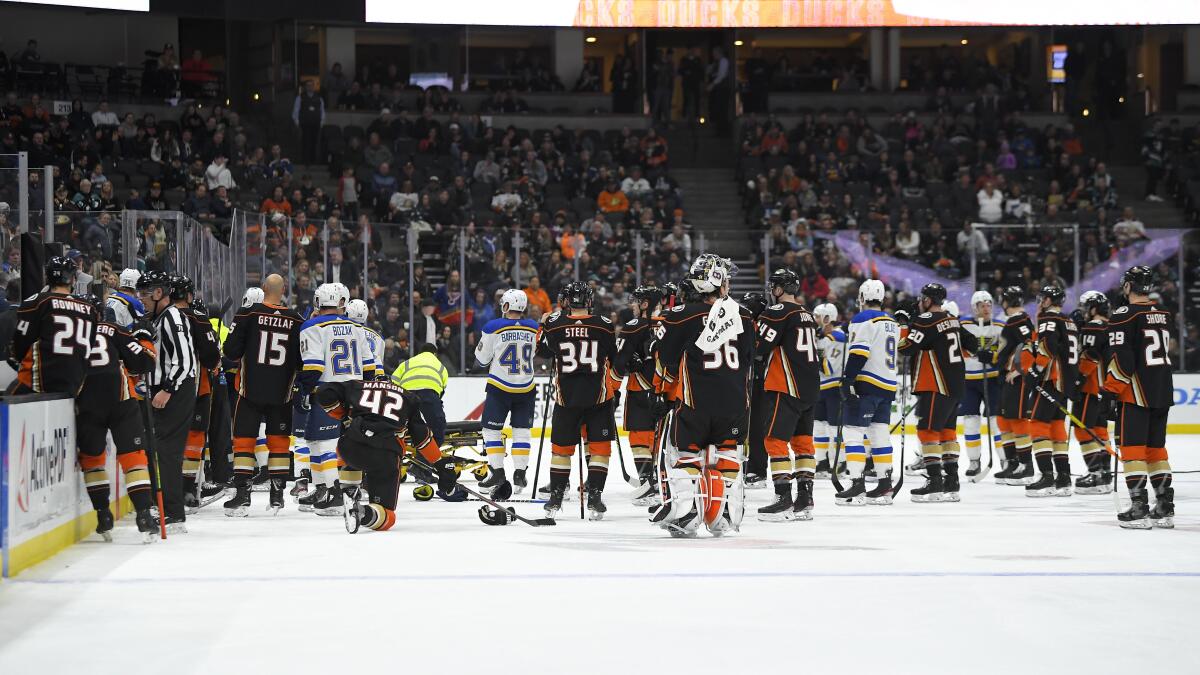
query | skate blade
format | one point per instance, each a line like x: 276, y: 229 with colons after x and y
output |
x: 260, y: 487
x: 645, y: 501
x: 800, y: 516
x: 870, y: 479
x: 913, y: 472
x: 879, y: 501
x: 975, y: 479
x: 850, y: 501
x: 106, y: 536
x: 759, y: 485
x: 1063, y: 492
x: 552, y: 513
x: 1038, y: 494
x: 1167, y: 523
x: 330, y: 511
x: 781, y: 517
x: 951, y: 497
x: 678, y: 532
x: 274, y: 509
x: 595, y: 515
x: 149, y: 537
x: 1093, y: 490
x: 927, y: 499
x: 819, y: 475
x: 177, y: 528
x: 1140, y: 524
x: 190, y: 510
x: 239, y: 512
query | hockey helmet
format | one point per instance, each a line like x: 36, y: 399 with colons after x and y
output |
x: 1095, y: 301
x: 871, y: 290
x: 60, y: 271
x: 935, y: 293
x: 1012, y: 296
x: 514, y: 300
x: 342, y: 291
x: 199, y: 307
x: 576, y: 295
x: 786, y: 280
x: 980, y: 297
x: 950, y: 307
x: 1054, y: 294
x: 129, y: 278
x: 651, y: 295
x: 327, y: 296
x: 1140, y: 279
x: 670, y: 292
x: 180, y: 286
x: 356, y: 310
x: 826, y: 312
x: 252, y: 296
x: 152, y: 280
x: 91, y: 299
x: 754, y: 302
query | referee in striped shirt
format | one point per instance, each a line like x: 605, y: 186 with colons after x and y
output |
x: 172, y: 384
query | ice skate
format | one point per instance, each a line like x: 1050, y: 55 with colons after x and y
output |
x: 190, y: 503
x: 1062, y: 485
x: 554, y: 502
x: 147, y: 525
x: 262, y: 480
x: 544, y: 492
x: 211, y: 492
x: 931, y: 491
x: 1163, y: 514
x: 802, y: 506
x: 176, y: 525
x: 917, y: 468
x: 754, y: 481
x: 300, y: 487
x: 973, y: 470
x: 1022, y: 475
x: 104, y: 524
x: 595, y: 505
x: 307, y: 502
x: 881, y: 494
x: 646, y: 493
x: 1138, y: 515
x: 519, y: 481
x: 822, y: 470
x: 1094, y: 483
x: 330, y: 503
x: 239, y: 505
x: 493, y: 478
x: 685, y: 527
x: 870, y: 476
x: 779, y: 510
x: 276, y: 502
x: 1005, y: 473
x: 1042, y: 487
x: 852, y: 495
x: 950, y: 483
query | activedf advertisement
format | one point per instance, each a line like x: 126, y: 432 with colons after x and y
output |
x: 781, y: 13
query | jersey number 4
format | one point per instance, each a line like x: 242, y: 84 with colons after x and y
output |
x: 383, y: 403
x: 574, y: 355
x: 518, y: 358
x: 71, y: 332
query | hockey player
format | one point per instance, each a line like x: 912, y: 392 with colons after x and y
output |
x: 635, y: 363
x: 787, y: 336
x: 53, y: 338
x: 1049, y: 364
x: 357, y: 311
x: 704, y: 360
x: 936, y: 340
x: 1085, y: 405
x: 506, y: 349
x: 583, y: 348
x: 265, y: 342
x: 868, y: 389
x: 756, y: 447
x: 208, y: 358
x: 332, y: 349
x: 1139, y: 378
x: 123, y: 302
x: 381, y: 422
x: 827, y: 415
x: 986, y: 331
x: 1018, y: 329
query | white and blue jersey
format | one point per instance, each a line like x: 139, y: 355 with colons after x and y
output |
x: 988, y: 334
x: 333, y: 349
x: 125, y: 308
x: 871, y: 364
x: 507, y: 347
x: 833, y: 353
x: 375, y: 342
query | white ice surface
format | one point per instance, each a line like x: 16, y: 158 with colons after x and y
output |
x: 999, y: 583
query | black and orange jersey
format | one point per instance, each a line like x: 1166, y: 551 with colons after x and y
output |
x: 1018, y: 330
x: 636, y: 339
x: 204, y: 339
x: 52, y: 343
x: 116, y: 355
x: 1053, y: 354
x: 1139, y: 366
x: 788, y: 341
x: 710, y: 381
x: 1093, y: 355
x: 937, y: 340
x: 381, y: 411
x: 264, y: 340
x: 583, y: 349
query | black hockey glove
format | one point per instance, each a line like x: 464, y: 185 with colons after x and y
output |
x: 660, y: 406
x: 636, y: 362
x: 902, y: 317
x: 849, y: 394
x: 446, y: 478
x: 1110, y: 407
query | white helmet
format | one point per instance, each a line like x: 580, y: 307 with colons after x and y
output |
x: 951, y: 307
x: 356, y: 310
x: 342, y: 291
x: 871, y: 290
x: 252, y: 296
x: 129, y: 278
x: 709, y: 273
x: 980, y: 297
x: 1088, y: 295
x: 513, y: 300
x: 826, y: 311
x: 326, y: 296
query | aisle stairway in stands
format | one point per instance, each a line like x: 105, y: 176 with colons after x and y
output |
x: 1131, y: 183
x: 714, y: 208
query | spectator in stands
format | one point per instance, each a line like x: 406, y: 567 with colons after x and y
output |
x: 308, y: 113
x: 196, y: 74
x: 990, y: 203
x: 279, y: 165
x: 1154, y: 160
x: 589, y: 78
x: 663, y: 83
x: 487, y: 170
x: 199, y: 204
x: 1129, y: 229
x: 970, y: 239
x: 335, y: 84
x: 612, y: 200
x: 218, y: 174
x: 1102, y: 194
x: 222, y: 205
x: 907, y: 240
x: 537, y: 296
x: 427, y: 326
x: 341, y: 270
x: 624, y: 78
x: 691, y: 77
x: 1017, y: 207
x: 680, y: 241
x: 635, y: 186
x: 277, y: 203
x: 376, y: 152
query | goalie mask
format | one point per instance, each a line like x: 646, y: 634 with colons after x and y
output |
x: 709, y: 274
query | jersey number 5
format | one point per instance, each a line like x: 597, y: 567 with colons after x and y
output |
x: 271, y: 349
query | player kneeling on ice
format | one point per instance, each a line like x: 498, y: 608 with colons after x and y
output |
x: 380, y: 421
x: 704, y: 360
x: 506, y: 349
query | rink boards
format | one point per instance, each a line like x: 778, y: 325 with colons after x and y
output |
x: 45, y: 507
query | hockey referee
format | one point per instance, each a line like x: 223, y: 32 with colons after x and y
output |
x: 425, y: 376
x: 172, y: 385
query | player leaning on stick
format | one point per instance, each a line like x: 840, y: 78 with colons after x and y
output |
x: 635, y: 363
x: 1139, y: 377
x: 1018, y: 329
x: 980, y: 376
x: 582, y: 346
x: 868, y: 389
x: 265, y: 342
x: 1086, y: 404
x: 1049, y: 364
x: 936, y: 340
x: 506, y: 348
x: 787, y: 336
x: 107, y: 404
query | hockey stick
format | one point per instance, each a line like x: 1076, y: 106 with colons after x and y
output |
x: 1075, y: 421
x: 987, y: 412
x: 537, y: 465
x: 152, y: 446
x: 899, y: 468
x: 620, y: 451
x: 582, y: 516
x: 838, y: 438
x: 514, y: 501
x: 907, y: 410
x: 532, y: 522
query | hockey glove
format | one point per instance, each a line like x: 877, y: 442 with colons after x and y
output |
x: 849, y: 394
x: 1110, y: 407
x: 636, y: 362
x: 986, y: 356
x: 660, y: 406
x: 446, y: 478
x: 902, y: 317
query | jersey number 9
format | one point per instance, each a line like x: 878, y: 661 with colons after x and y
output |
x: 517, y: 363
